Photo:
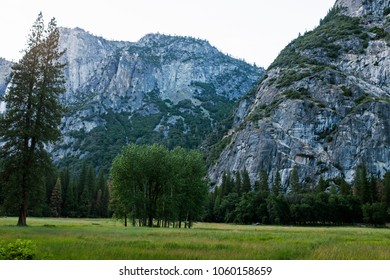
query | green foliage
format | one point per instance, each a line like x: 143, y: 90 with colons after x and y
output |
x: 263, y: 111
x: 246, y: 183
x: 294, y: 181
x: 361, y: 184
x: 386, y: 190
x: 18, y: 250
x: 333, y: 28
x: 76, y: 194
x: 327, y: 133
x: 183, y: 124
x: 33, y: 115
x: 276, y: 184
x: 375, y: 213
x: 289, y: 77
x: 301, y: 93
x: 56, y: 199
x: 330, y: 202
x: 346, y: 91
x: 217, y: 149
x: 153, y: 183
x: 289, y: 57
x: 332, y: 13
x: 379, y: 32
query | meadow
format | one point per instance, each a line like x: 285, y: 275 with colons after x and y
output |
x: 108, y: 239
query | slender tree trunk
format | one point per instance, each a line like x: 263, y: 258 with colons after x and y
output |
x: 150, y: 221
x: 22, y: 221
x: 134, y: 221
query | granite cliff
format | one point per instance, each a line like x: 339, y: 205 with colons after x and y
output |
x: 167, y: 89
x: 5, y: 71
x: 323, y: 106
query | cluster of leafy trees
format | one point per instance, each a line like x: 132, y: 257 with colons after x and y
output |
x: 331, y: 202
x: 155, y: 186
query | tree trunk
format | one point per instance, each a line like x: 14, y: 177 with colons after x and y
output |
x: 150, y: 221
x: 22, y: 218
x: 22, y: 221
x: 134, y: 221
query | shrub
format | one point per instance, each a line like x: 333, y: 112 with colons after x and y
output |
x: 379, y: 32
x: 18, y: 250
x: 346, y: 91
x: 290, y: 77
x: 301, y: 93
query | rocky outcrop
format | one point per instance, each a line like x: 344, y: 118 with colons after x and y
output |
x: 167, y: 89
x: 5, y: 71
x: 324, y: 105
x: 358, y: 8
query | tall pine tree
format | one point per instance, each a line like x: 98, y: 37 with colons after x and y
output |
x: 32, y: 115
x: 246, y: 182
x: 277, y: 184
x: 294, y: 181
x: 56, y: 199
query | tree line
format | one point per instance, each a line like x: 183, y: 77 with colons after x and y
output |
x: 331, y: 202
x: 64, y: 193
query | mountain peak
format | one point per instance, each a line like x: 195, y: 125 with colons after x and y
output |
x: 154, y: 39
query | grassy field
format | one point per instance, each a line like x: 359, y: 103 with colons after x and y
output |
x: 105, y: 239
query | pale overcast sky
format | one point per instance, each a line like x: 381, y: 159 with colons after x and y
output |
x: 254, y: 30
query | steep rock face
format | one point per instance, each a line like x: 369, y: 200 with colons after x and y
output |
x: 324, y: 105
x: 5, y: 71
x: 363, y: 7
x: 165, y: 89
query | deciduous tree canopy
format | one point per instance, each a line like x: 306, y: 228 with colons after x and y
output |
x: 157, y: 186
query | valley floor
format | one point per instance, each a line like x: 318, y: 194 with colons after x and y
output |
x: 108, y: 239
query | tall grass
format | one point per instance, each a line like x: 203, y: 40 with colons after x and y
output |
x: 105, y: 239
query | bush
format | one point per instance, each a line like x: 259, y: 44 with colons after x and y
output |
x: 19, y: 250
x: 346, y: 91
x: 379, y: 32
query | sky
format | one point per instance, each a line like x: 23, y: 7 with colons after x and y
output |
x: 252, y: 30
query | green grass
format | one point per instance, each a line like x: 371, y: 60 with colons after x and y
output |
x: 104, y: 239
